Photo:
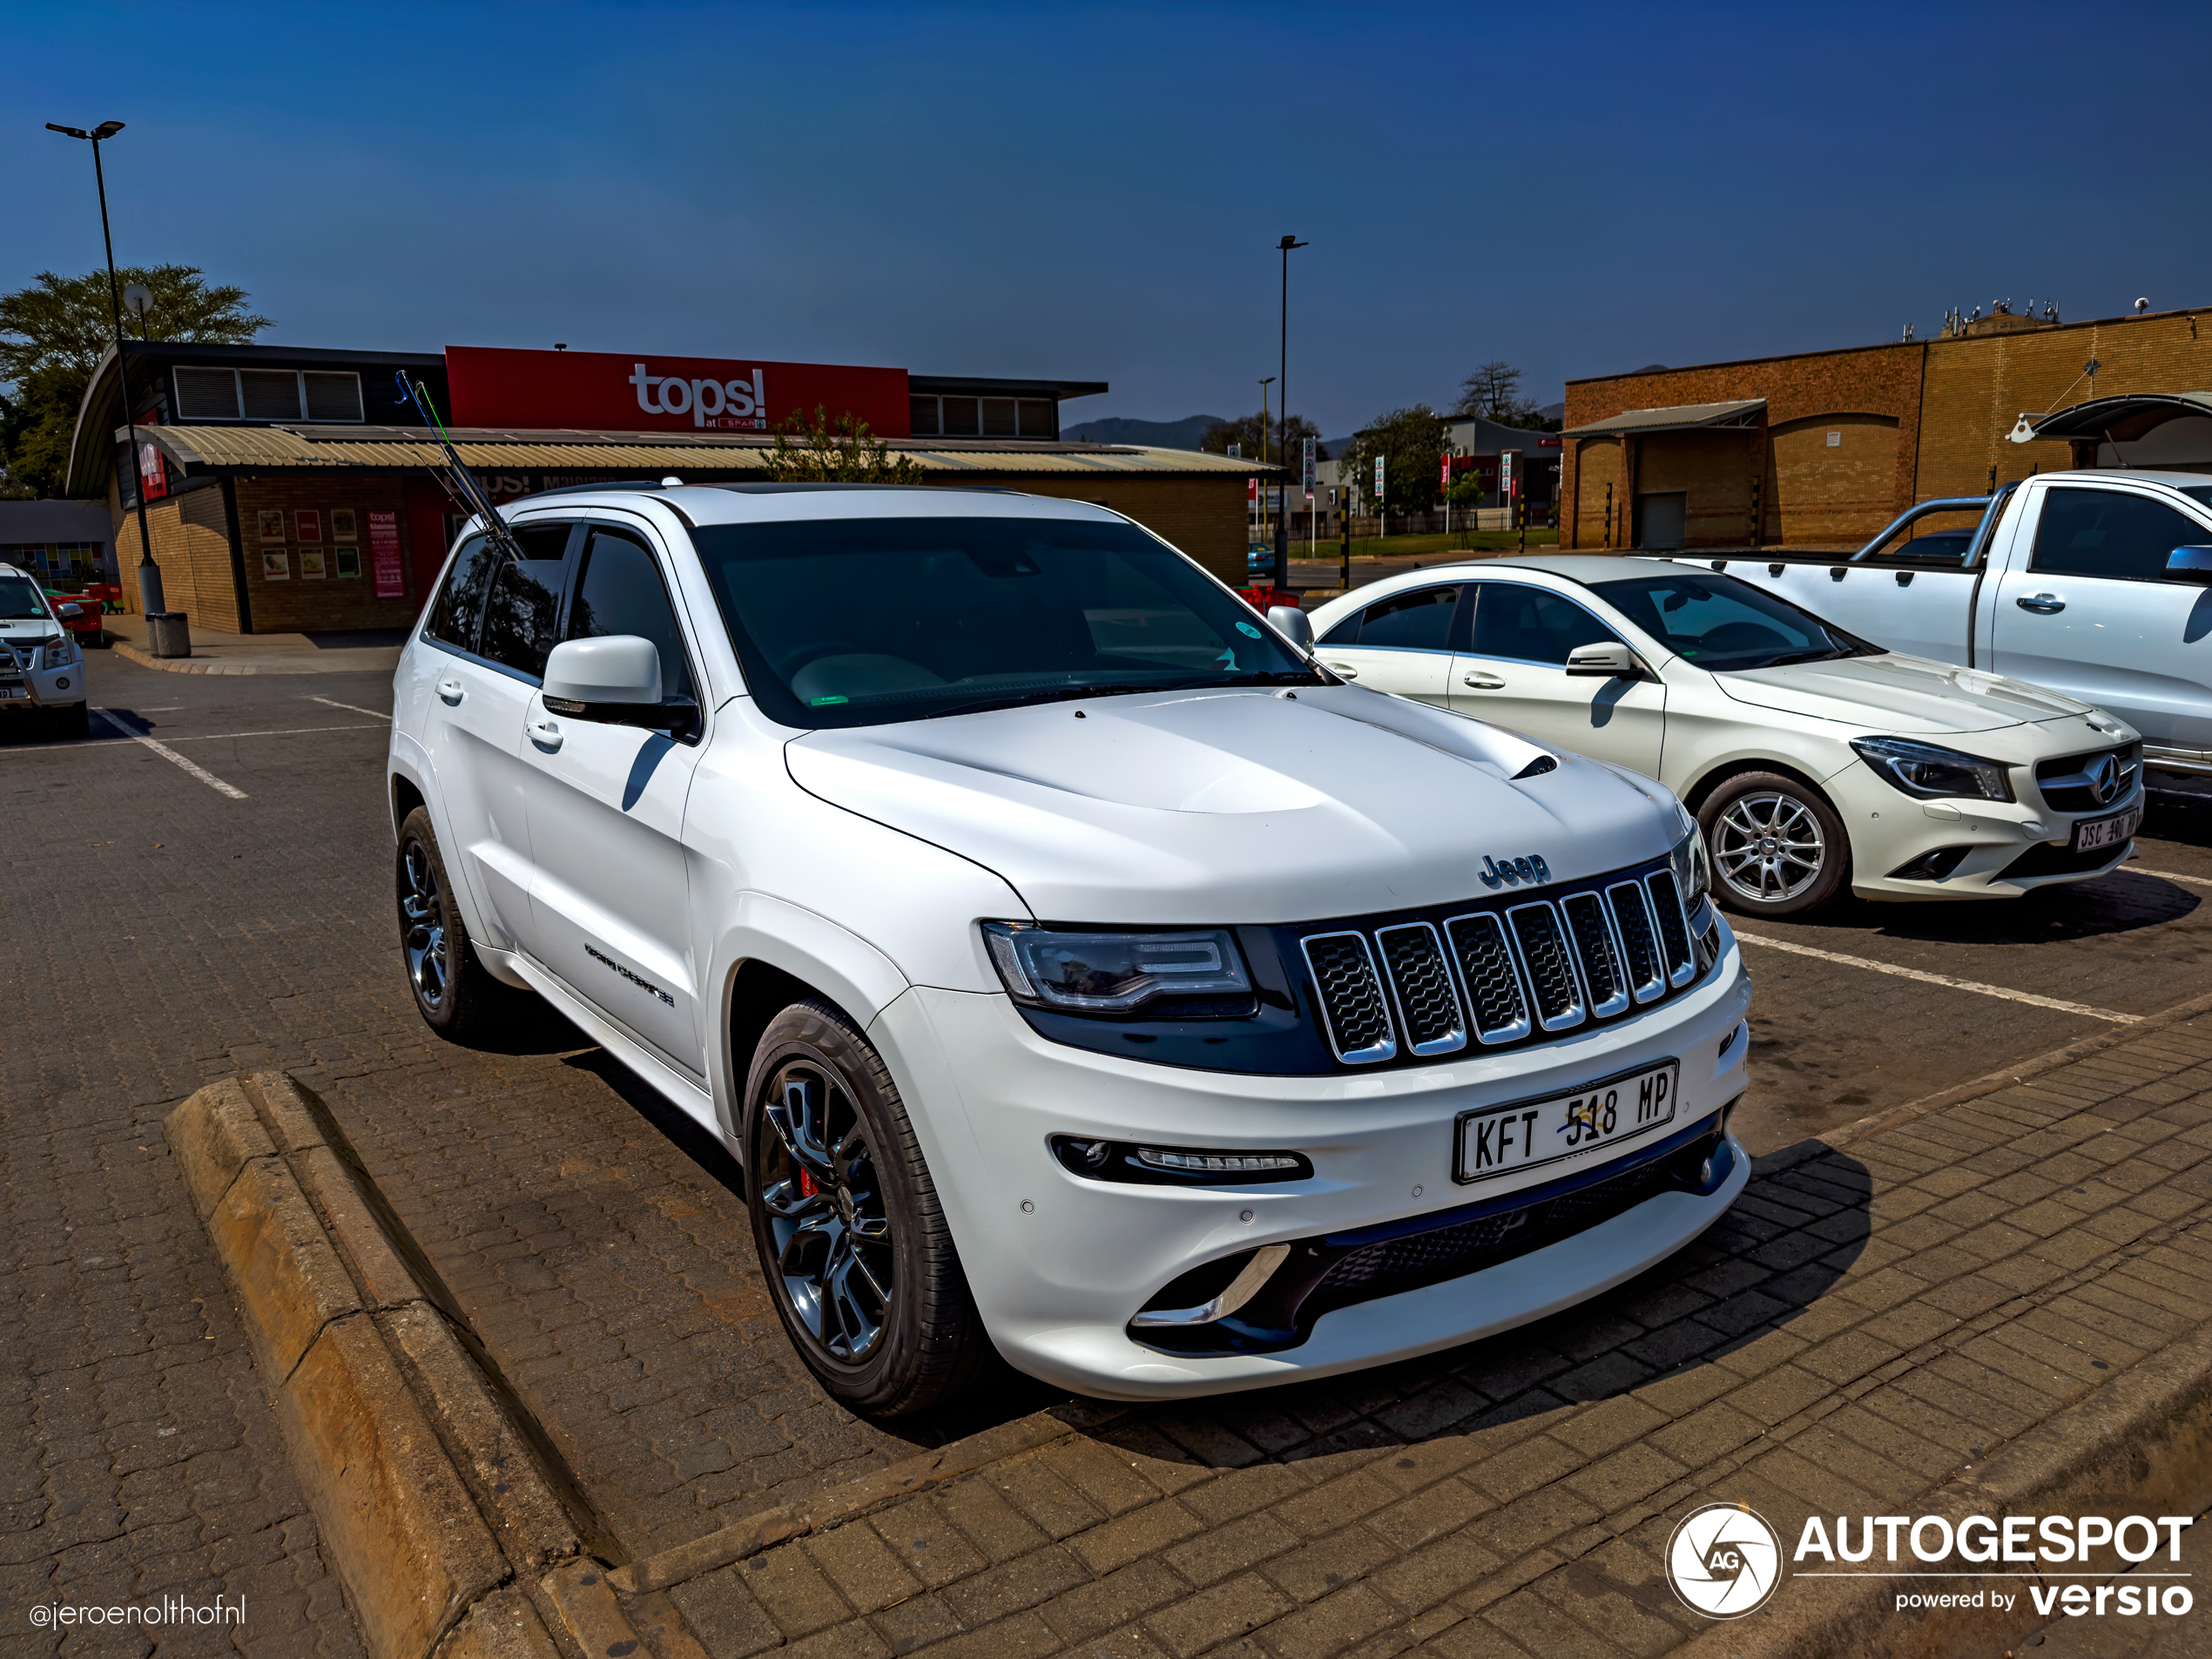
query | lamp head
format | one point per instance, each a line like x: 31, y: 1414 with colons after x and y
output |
x: 1290, y: 242
x: 107, y: 129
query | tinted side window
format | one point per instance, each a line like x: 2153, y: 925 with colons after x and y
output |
x: 2109, y: 533
x: 459, y: 604
x: 524, y: 609
x: 1420, y: 620
x: 1531, y: 624
x: 619, y: 591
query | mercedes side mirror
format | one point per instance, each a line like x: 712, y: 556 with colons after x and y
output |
x: 1608, y: 660
x: 614, y: 680
x: 1295, y: 626
x: 2189, y: 564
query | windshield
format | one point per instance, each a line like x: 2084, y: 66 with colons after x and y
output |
x: 20, y: 600
x: 1719, y: 622
x: 868, y: 621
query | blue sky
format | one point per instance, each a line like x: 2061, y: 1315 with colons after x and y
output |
x: 1095, y: 191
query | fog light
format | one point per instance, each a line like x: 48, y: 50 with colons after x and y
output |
x: 1175, y: 1165
x: 62, y: 684
x: 1154, y: 1158
x: 1705, y: 1173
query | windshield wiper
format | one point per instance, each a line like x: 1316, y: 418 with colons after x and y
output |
x: 1787, y: 658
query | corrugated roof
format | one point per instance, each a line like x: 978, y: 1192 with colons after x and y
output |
x: 389, y: 448
x: 1682, y: 416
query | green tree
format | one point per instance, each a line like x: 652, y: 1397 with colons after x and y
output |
x: 817, y: 451
x: 1246, y: 430
x: 1412, y: 442
x: 52, y: 334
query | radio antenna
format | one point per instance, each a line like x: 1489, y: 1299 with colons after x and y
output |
x: 459, y: 482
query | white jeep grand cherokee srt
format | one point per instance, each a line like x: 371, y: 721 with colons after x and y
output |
x: 1074, y: 966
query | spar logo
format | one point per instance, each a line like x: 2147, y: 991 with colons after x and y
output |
x: 1724, y: 1561
x: 741, y: 403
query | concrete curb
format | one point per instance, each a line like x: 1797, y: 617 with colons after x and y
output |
x: 2141, y: 1444
x: 449, y: 1520
x: 835, y: 1505
x: 145, y: 658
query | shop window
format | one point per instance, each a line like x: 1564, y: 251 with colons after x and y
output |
x: 269, y: 393
x: 1039, y: 418
x: 960, y: 417
x: 922, y: 416
x: 998, y: 417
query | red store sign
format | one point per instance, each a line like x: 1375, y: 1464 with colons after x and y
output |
x: 606, y: 391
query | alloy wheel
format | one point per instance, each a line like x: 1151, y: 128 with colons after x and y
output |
x: 826, y: 1210
x: 422, y: 918
x: 1767, y: 847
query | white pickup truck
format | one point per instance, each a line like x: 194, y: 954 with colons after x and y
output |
x: 2097, y: 584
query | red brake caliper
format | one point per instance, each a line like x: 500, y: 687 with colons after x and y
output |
x: 806, y: 1187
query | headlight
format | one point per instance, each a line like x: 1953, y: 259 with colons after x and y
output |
x: 60, y: 653
x: 1925, y: 771
x: 1113, y: 973
x: 1691, y: 876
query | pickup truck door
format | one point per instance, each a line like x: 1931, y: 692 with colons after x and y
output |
x: 2083, y: 607
x: 1513, y: 672
x: 1402, y: 645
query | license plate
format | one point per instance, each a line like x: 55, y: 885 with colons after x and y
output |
x: 13, y: 691
x: 1505, y: 1140
x: 2115, y: 831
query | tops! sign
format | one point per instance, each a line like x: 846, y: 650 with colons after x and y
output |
x: 601, y: 391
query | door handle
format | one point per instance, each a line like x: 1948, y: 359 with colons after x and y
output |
x: 2043, y: 604
x: 546, y: 734
x: 450, y: 688
x: 1344, y: 669
x: 1483, y: 682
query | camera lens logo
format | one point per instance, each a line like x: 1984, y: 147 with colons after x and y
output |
x: 1724, y: 1560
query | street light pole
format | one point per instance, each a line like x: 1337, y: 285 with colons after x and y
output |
x: 1263, y: 385
x: 150, y: 594
x: 1282, y: 368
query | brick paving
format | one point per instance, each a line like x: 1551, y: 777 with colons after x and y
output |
x: 1870, y: 1319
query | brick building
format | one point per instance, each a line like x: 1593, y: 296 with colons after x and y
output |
x: 1824, y: 448
x: 290, y: 490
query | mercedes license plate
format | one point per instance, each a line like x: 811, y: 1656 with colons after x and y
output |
x: 1505, y: 1140
x: 2115, y: 831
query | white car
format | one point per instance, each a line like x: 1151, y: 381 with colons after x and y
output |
x: 42, y: 668
x: 1074, y: 968
x: 1815, y: 762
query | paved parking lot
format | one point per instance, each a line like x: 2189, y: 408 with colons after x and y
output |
x: 205, y: 889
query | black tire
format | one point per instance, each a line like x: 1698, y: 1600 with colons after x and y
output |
x: 1776, y: 846
x: 453, y: 992
x: 853, y: 1244
x: 75, y: 721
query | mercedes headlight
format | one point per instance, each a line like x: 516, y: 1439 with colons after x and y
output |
x: 1113, y: 973
x: 1929, y: 773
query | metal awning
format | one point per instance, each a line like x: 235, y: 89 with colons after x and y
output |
x: 2119, y: 419
x: 1683, y: 417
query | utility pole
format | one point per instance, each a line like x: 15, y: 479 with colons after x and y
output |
x: 150, y: 595
x: 1283, y: 368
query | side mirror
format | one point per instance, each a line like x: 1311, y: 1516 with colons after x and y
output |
x: 1297, y: 627
x: 1608, y: 660
x: 614, y: 680
x: 2189, y: 564
x: 65, y: 612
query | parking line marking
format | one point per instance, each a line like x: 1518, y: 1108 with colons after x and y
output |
x: 279, y: 731
x: 1975, y: 985
x: 350, y: 709
x: 167, y: 753
x: 2170, y: 875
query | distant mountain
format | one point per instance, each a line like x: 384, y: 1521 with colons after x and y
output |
x: 1154, y: 434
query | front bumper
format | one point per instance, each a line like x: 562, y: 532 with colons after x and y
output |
x: 1890, y: 830
x: 1060, y: 1265
x: 49, y: 688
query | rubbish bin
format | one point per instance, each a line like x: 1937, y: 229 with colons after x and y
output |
x: 168, y: 633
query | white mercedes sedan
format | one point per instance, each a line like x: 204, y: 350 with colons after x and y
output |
x: 1816, y: 762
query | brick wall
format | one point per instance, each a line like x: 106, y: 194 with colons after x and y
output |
x: 1712, y: 470
x: 1840, y: 492
x: 1877, y: 381
x: 297, y: 603
x: 192, y: 544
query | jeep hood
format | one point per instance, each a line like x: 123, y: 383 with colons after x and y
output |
x: 1895, y: 693
x: 1189, y: 808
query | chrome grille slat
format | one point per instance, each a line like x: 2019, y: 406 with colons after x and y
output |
x: 1491, y: 976
x: 1597, y: 953
x: 1631, y: 907
x: 1351, y: 998
x: 1537, y: 929
x: 1674, y: 927
x: 1427, y: 1004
